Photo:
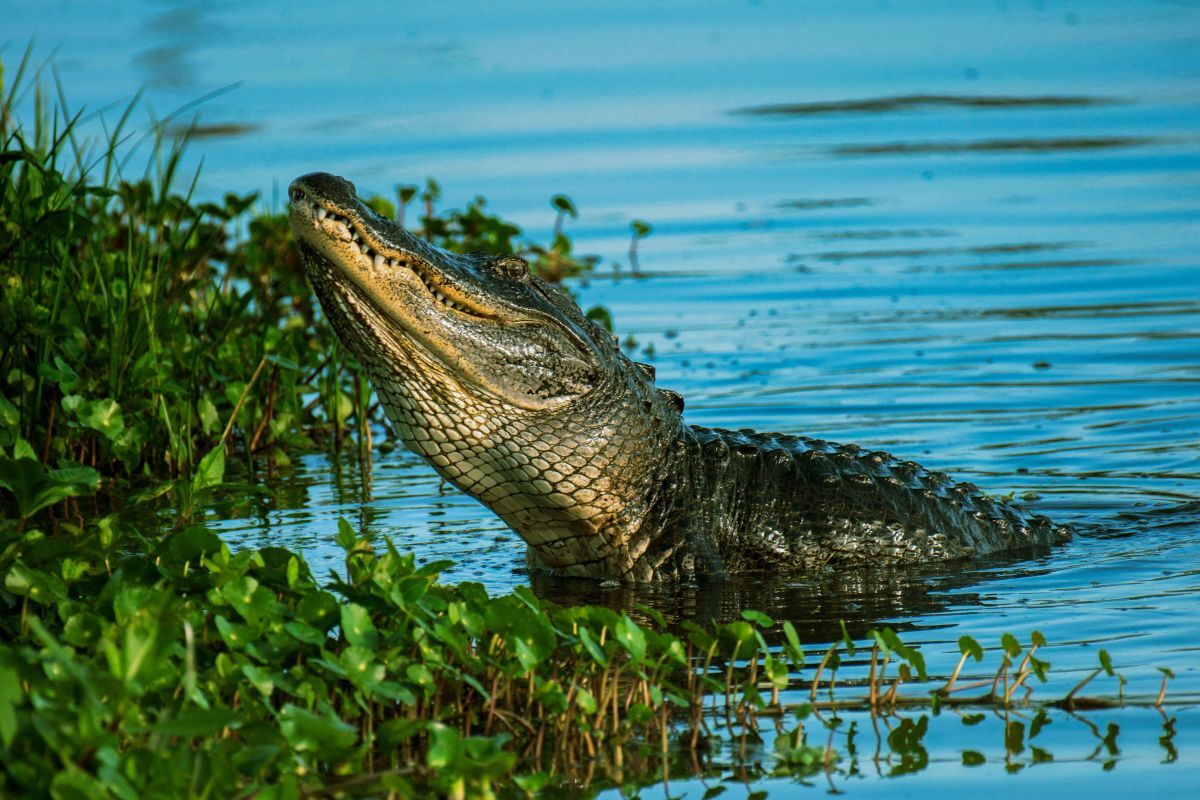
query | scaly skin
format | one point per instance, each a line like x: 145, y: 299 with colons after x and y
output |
x: 499, y: 381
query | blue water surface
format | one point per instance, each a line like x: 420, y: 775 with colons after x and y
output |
x: 964, y: 232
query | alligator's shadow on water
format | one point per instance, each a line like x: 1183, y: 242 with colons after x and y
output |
x: 815, y: 604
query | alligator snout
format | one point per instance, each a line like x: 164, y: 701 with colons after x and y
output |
x: 324, y: 184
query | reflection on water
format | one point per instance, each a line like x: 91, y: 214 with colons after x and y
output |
x: 1109, y: 751
x: 988, y: 265
x: 1066, y: 144
x: 883, y: 105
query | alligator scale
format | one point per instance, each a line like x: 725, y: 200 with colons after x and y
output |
x: 499, y: 381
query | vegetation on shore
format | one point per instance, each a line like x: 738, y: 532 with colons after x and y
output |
x: 140, y: 327
x: 147, y: 337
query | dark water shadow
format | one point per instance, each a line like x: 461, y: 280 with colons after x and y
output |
x: 914, y: 102
x: 821, y: 203
x: 1043, y: 146
x: 1004, y: 248
x: 815, y: 604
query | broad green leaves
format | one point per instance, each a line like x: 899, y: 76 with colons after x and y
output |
x: 34, y: 487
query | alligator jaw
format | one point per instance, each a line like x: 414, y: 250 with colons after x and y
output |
x: 338, y: 229
x: 477, y: 316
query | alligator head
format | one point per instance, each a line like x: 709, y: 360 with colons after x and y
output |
x: 496, y: 378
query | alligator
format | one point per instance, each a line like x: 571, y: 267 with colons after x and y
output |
x: 513, y: 395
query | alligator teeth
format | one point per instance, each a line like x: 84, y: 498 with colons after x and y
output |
x: 366, y: 251
x: 321, y: 214
x: 354, y: 237
x: 379, y: 261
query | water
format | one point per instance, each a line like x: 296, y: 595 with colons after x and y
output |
x: 965, y: 233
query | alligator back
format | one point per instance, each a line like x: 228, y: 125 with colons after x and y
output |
x: 761, y: 501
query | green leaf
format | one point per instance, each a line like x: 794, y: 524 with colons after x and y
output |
x: 210, y: 421
x: 564, y: 205
x: 35, y: 488
x: 758, y: 618
x: 10, y: 698
x: 311, y: 733
x: 1011, y: 646
x: 262, y: 680
x: 1106, y: 663
x: 445, y: 746
x: 305, y: 633
x: 792, y: 646
x: 358, y: 628
x: 533, y: 783
x: 75, y: 785
x: 103, y: 416
x: 10, y: 416
x: 395, y: 732
x: 847, y: 640
x: 738, y: 638
x: 198, y: 722
x: 967, y: 645
x: 631, y: 637
x: 585, y: 700
x: 594, y: 649
x: 210, y: 471
x: 973, y: 758
x: 346, y: 537
x: 420, y: 675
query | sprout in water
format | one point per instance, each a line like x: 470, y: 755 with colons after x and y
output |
x: 641, y: 229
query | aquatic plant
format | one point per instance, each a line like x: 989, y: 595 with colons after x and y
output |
x: 141, y: 327
x: 138, y: 665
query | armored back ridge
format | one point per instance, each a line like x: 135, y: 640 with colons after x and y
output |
x: 499, y: 381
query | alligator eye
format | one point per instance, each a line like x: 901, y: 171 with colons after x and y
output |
x: 513, y: 267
